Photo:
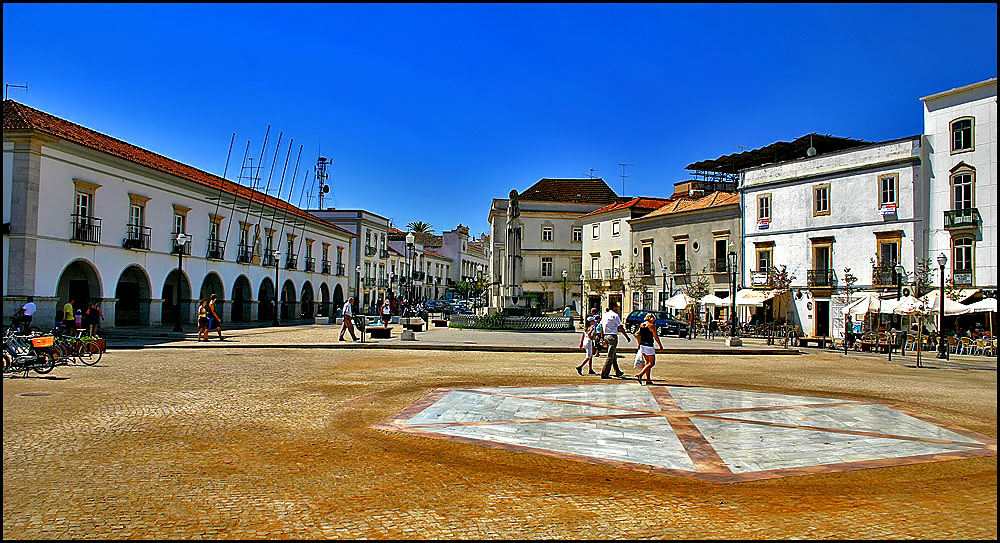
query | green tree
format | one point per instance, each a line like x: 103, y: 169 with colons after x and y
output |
x: 421, y: 226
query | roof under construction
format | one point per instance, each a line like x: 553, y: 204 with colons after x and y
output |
x: 776, y: 152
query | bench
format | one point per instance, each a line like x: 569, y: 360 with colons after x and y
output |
x: 414, y: 326
x: 379, y: 332
x: 820, y: 341
x: 440, y: 323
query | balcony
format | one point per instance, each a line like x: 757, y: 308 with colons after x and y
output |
x: 820, y: 278
x: 883, y: 276
x: 175, y: 248
x: 646, y: 269
x: 325, y: 267
x: 594, y: 275
x: 613, y: 274
x: 718, y: 265
x: 310, y: 264
x: 85, y: 228
x: 762, y: 279
x: 962, y: 277
x: 216, y: 249
x: 962, y: 218
x: 383, y: 253
x: 383, y: 283
x: 292, y: 262
x: 339, y: 270
x: 245, y: 254
x: 419, y: 276
x: 680, y: 267
x: 370, y: 251
x: 136, y: 237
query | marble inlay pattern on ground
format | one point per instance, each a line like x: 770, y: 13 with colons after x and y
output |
x: 713, y: 434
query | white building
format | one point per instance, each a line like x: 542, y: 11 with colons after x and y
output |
x: 610, y: 266
x: 960, y: 140
x: 370, y: 277
x: 468, y: 257
x: 552, y: 239
x: 92, y: 218
x: 854, y: 207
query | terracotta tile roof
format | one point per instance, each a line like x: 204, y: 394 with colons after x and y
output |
x: 637, y: 204
x: 715, y: 199
x: 591, y: 191
x: 19, y: 117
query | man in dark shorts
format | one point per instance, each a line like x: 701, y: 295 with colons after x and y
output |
x: 214, y: 322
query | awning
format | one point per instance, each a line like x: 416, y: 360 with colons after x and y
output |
x: 964, y: 294
x: 711, y: 299
x: 986, y: 305
x: 868, y: 303
x: 754, y: 297
x: 679, y: 301
x: 951, y: 307
x: 908, y: 305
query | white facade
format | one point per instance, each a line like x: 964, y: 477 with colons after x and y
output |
x: 370, y: 276
x: 89, y: 225
x: 960, y: 139
x: 468, y: 259
x: 858, y: 208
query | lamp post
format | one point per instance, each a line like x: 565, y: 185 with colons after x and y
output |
x: 942, y: 349
x: 899, y: 281
x: 411, y: 256
x: 357, y: 286
x: 733, y: 340
x: 663, y: 295
x: 564, y: 274
x: 277, y: 293
x: 583, y: 305
x: 181, y: 241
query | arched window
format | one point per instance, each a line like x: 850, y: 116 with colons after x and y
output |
x: 961, y: 134
x: 963, y: 188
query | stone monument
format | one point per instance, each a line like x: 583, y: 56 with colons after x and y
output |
x: 514, y: 303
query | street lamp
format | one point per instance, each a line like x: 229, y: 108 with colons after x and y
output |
x: 277, y: 293
x: 564, y: 274
x: 583, y: 306
x: 181, y: 240
x: 412, y: 257
x: 357, y: 286
x: 942, y: 350
x: 899, y: 280
x: 663, y: 295
x: 733, y: 319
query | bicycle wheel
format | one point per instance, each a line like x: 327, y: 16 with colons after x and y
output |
x: 48, y: 365
x: 90, y: 353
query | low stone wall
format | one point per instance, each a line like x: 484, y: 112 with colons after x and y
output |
x: 498, y: 322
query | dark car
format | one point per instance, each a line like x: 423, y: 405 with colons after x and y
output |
x: 665, y: 324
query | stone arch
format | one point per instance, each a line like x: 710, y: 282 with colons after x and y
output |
x: 133, y: 294
x: 338, y: 300
x: 242, y: 300
x: 265, y: 300
x: 324, y: 300
x: 212, y: 284
x: 307, y: 308
x: 288, y: 304
x: 80, y: 282
x: 176, y: 298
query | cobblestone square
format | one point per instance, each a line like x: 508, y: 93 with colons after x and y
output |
x: 227, y: 441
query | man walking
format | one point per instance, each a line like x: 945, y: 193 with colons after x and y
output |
x: 611, y: 324
x: 348, y: 325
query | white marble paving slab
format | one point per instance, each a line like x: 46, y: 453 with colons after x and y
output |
x: 709, y: 399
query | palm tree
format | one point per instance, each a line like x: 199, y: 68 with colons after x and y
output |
x: 420, y: 226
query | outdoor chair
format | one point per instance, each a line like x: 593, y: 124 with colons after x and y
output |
x: 952, y: 345
x: 980, y: 347
x: 965, y: 346
x: 911, y: 342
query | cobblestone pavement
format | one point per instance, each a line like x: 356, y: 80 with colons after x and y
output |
x: 275, y: 443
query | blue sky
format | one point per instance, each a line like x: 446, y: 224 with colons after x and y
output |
x: 430, y: 111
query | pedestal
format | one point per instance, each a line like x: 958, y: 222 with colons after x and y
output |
x: 407, y: 335
x: 734, y: 342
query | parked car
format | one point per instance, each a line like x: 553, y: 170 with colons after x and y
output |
x: 665, y: 324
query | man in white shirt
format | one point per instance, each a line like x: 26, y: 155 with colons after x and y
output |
x: 611, y: 323
x: 23, y: 315
x: 348, y: 325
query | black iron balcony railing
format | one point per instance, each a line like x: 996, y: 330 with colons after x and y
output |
x: 884, y: 276
x: 245, y: 254
x: 383, y: 283
x: 85, y: 228
x: 136, y: 237
x: 292, y: 262
x: 593, y: 274
x: 370, y: 251
x: 612, y: 274
x: 646, y: 269
x: 419, y: 276
x: 216, y: 249
x: 962, y: 218
x: 182, y: 249
x: 269, y: 260
x: 383, y: 253
x: 680, y: 267
x: 340, y: 269
x: 761, y: 279
x: 820, y: 278
x: 325, y: 267
x: 310, y: 264
x: 718, y: 265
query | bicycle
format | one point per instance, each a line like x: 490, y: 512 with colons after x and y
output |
x: 24, y: 353
x: 76, y: 348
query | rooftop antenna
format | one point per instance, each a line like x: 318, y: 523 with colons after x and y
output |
x: 623, y: 176
x: 9, y: 85
x: 322, y: 187
x: 811, y: 151
x: 591, y: 174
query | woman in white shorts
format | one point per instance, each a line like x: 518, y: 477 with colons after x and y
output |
x: 647, y: 334
x: 587, y: 343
